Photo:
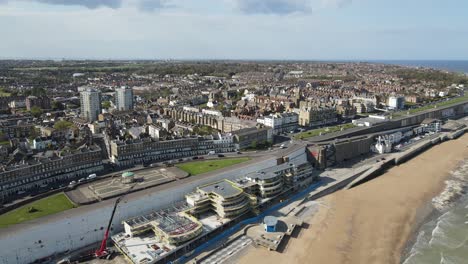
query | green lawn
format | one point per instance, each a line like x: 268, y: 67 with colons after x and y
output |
x: 323, y: 131
x: 199, y: 167
x: 46, y: 206
x: 453, y: 101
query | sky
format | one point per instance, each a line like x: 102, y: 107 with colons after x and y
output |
x: 235, y: 29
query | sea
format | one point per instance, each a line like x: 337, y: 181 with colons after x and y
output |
x: 443, y: 236
x: 460, y: 66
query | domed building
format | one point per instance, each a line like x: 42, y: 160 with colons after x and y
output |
x: 128, y: 177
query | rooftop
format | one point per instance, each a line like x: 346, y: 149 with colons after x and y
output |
x: 222, y: 188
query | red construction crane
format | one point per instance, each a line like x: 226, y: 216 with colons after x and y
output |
x: 103, y: 251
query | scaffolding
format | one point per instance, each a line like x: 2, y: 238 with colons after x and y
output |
x: 171, y: 224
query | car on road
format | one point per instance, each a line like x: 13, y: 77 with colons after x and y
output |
x: 92, y: 176
x: 221, y: 156
x: 81, y: 180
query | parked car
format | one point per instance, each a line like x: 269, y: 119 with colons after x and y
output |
x: 221, y: 156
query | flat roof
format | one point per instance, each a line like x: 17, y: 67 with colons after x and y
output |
x: 222, y: 188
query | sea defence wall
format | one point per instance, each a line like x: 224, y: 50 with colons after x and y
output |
x: 399, y: 158
x: 83, y: 226
x: 404, y: 156
x: 371, y: 173
x: 455, y: 110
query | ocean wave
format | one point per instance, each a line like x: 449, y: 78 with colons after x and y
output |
x: 445, y: 238
x: 454, y: 188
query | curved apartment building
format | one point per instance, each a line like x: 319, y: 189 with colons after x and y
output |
x: 223, y: 197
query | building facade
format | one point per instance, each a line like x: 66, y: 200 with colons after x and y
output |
x: 90, y: 104
x: 252, y: 137
x: 34, y: 101
x: 47, y: 169
x: 124, y: 98
x: 281, y: 123
x: 396, y: 102
x: 317, y: 116
x: 130, y: 152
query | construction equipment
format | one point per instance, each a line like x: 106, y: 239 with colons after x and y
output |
x: 103, y: 251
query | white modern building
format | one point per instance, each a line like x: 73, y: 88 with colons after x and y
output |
x: 280, y: 123
x: 90, y: 104
x: 154, y: 131
x: 396, y: 102
x: 124, y: 98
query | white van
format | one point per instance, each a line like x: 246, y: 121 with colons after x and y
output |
x: 92, y: 176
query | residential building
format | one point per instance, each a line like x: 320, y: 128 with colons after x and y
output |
x: 138, y: 151
x: 251, y: 137
x: 280, y: 123
x: 124, y: 98
x: 317, y: 116
x: 50, y: 166
x: 90, y: 104
x: 396, y: 102
x: 42, y: 102
x: 223, y: 197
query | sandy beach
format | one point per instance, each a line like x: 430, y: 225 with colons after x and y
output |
x: 372, y: 222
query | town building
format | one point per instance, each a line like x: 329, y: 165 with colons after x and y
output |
x: 252, y: 137
x: 280, y: 123
x: 124, y: 98
x: 223, y: 197
x: 42, y: 102
x: 396, y: 102
x: 317, y: 116
x: 139, y: 151
x: 50, y: 166
x: 90, y: 100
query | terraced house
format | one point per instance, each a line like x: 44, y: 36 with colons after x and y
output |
x: 48, y: 167
x: 130, y: 152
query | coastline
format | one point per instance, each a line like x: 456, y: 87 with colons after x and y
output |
x: 376, y: 222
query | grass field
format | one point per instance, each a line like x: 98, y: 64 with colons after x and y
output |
x: 199, y: 167
x: 49, y: 205
x: 452, y: 101
x: 322, y: 131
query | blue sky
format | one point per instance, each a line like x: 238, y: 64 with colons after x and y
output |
x: 234, y: 29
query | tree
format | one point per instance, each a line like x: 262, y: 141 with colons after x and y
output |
x: 36, y: 111
x: 62, y: 125
x: 106, y: 104
x: 253, y: 144
x: 34, y: 133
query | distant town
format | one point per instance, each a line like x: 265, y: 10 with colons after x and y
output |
x: 199, y: 149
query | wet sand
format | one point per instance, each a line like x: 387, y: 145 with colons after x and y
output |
x: 371, y: 223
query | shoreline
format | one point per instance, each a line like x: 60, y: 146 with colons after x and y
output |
x: 376, y: 222
x: 431, y: 214
x: 434, y: 213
